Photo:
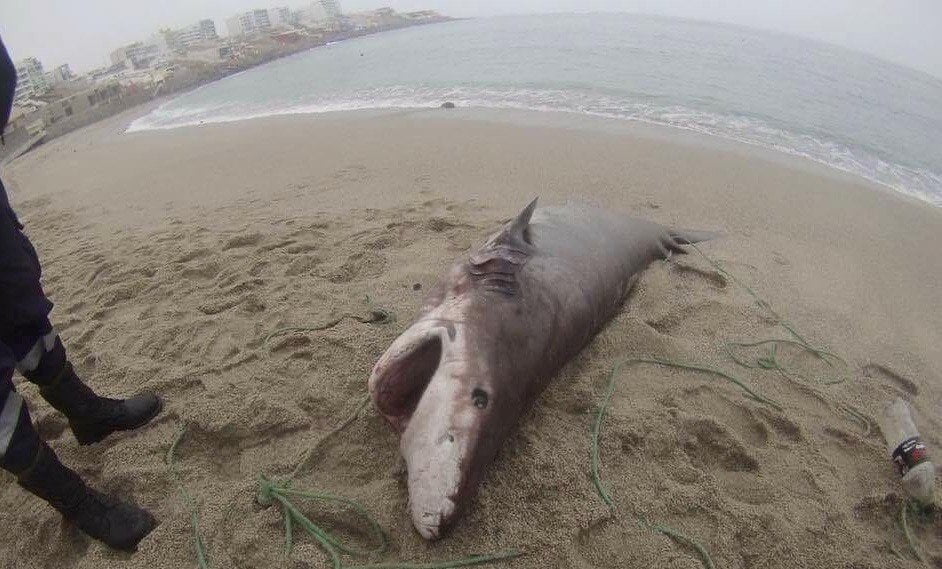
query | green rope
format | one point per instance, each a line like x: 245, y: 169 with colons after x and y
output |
x: 466, y: 562
x: 376, y: 316
x: 771, y: 362
x: 271, y: 492
x: 768, y: 362
x: 676, y: 535
x: 364, y: 401
x: 610, y: 391
x: 596, y: 434
x: 894, y: 551
x: 202, y: 557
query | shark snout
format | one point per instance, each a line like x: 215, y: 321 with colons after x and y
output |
x: 432, y: 522
x: 434, y: 457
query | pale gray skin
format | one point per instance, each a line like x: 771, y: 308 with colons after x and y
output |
x: 491, y: 334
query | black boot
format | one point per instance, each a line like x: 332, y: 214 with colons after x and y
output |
x: 92, y: 418
x: 117, y: 524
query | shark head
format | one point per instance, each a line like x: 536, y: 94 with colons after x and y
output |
x: 444, y: 385
x: 429, y: 387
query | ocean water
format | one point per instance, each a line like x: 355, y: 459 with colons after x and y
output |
x: 845, y: 109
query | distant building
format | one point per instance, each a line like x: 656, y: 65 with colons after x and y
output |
x: 379, y: 18
x: 138, y: 55
x: 280, y: 17
x: 60, y: 74
x: 81, y: 103
x: 423, y: 15
x: 182, y: 38
x: 30, y: 80
x: 207, y: 29
x: 248, y: 23
x: 107, y: 73
x: 324, y: 10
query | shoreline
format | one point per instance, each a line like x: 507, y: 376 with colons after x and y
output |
x: 575, y: 120
x: 218, y: 72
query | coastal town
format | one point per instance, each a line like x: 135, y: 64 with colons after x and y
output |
x: 51, y: 101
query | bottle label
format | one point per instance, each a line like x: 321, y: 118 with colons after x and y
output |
x: 908, y: 454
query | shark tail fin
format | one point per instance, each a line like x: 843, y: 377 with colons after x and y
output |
x: 680, y: 237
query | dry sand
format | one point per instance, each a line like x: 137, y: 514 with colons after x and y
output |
x: 170, y: 255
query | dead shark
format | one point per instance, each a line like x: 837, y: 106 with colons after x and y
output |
x: 493, y: 331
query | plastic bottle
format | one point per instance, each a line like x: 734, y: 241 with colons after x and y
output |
x: 907, y: 451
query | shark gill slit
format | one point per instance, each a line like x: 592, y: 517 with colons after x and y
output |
x: 404, y: 382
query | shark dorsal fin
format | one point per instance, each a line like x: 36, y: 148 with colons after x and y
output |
x: 520, y: 223
x: 496, y: 263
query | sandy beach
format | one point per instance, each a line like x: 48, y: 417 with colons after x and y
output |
x: 171, y: 255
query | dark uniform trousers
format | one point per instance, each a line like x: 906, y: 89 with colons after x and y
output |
x: 27, y: 339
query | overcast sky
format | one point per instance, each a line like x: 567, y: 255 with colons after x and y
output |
x: 83, y: 32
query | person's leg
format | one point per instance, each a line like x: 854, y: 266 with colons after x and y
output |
x: 19, y: 443
x: 38, y: 352
x: 38, y: 470
x: 91, y: 418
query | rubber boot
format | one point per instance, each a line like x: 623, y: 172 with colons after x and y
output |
x: 117, y: 524
x: 92, y: 418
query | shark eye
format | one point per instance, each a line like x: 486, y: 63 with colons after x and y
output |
x: 480, y: 398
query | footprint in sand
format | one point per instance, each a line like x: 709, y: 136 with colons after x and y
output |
x: 397, y: 234
x: 710, y: 445
x: 292, y: 343
x: 242, y: 240
x: 736, y: 416
x: 782, y: 425
x: 891, y: 381
x: 300, y: 248
x: 687, y: 271
x: 284, y: 243
x: 204, y: 271
x: 249, y: 303
x: 610, y: 543
x: 700, y: 319
x: 853, y: 460
x: 365, y: 264
x: 192, y: 254
x: 115, y: 295
x: 302, y: 265
x: 244, y: 286
x: 353, y: 173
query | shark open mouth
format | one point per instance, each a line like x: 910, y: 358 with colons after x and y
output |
x: 400, y: 386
